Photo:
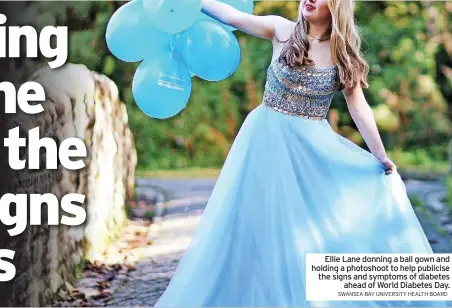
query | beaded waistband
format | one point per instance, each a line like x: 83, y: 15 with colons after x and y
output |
x: 294, y: 114
x: 294, y: 108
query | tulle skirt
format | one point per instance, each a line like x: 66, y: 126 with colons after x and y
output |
x: 291, y: 186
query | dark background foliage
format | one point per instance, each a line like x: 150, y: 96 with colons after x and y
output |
x: 407, y: 44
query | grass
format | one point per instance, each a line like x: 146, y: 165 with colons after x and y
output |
x: 180, y: 173
x: 418, y: 161
x: 129, y: 210
x: 214, y: 172
x: 403, y: 164
x: 150, y: 215
x: 416, y: 201
x: 448, y: 184
x: 432, y: 220
x: 432, y: 168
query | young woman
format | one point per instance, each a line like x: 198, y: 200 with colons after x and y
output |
x: 290, y: 185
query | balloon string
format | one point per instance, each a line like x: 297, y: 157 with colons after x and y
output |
x: 185, y: 139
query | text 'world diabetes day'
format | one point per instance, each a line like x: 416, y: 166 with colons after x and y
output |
x: 390, y: 276
x: 70, y: 152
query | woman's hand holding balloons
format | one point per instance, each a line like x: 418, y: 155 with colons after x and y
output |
x: 175, y: 42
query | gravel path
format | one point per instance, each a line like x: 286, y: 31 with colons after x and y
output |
x: 187, y: 199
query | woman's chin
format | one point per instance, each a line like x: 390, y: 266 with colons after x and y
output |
x: 307, y: 14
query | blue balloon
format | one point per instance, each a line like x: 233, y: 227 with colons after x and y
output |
x: 172, y: 16
x: 210, y: 50
x: 130, y: 37
x: 203, y: 16
x: 176, y: 45
x: 176, y: 42
x: 246, y: 6
x: 162, y: 85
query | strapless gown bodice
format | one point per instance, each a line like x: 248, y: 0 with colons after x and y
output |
x: 304, y: 92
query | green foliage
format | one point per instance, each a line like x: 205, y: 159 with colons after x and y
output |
x: 129, y: 210
x: 150, y: 215
x: 416, y: 201
x: 410, y: 89
x: 449, y: 190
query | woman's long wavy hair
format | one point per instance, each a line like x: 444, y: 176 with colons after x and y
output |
x: 345, y: 44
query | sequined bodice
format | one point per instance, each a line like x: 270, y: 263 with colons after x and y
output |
x: 304, y: 92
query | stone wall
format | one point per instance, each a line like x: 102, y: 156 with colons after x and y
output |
x: 81, y: 104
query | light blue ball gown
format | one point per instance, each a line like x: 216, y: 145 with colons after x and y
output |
x: 290, y: 186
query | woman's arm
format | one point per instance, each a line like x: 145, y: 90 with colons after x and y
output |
x: 364, y: 119
x: 260, y: 26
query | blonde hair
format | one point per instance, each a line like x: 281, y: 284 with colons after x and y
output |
x: 345, y: 44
